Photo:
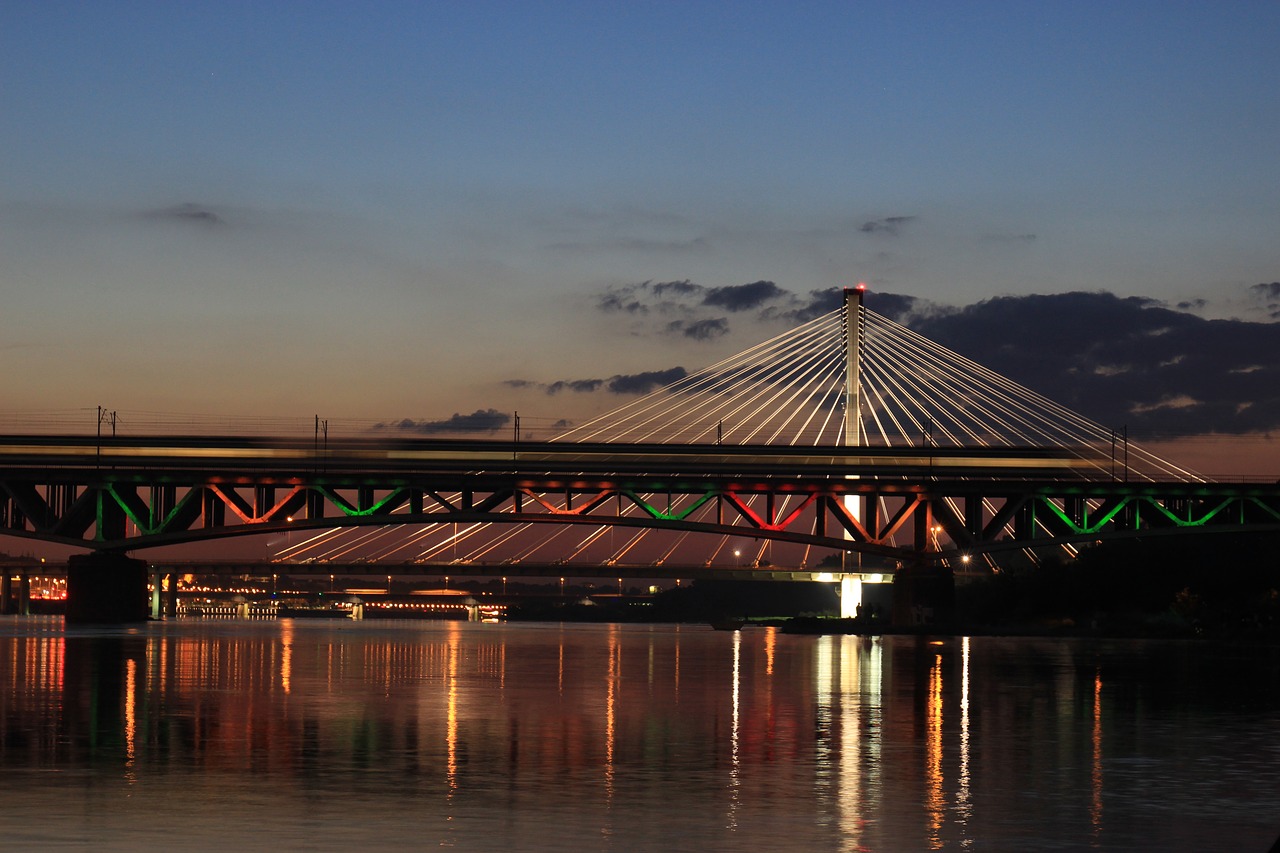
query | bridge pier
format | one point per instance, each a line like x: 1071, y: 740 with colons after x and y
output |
x: 21, y: 605
x: 850, y: 596
x: 106, y: 587
x: 157, y: 591
x: 924, y: 596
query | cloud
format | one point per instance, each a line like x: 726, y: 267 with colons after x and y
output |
x: 622, y: 383
x: 1123, y: 361
x: 700, y: 330
x: 1268, y: 294
x: 189, y: 212
x: 890, y: 225
x: 1116, y: 360
x: 743, y: 297
x: 481, y: 420
x: 643, y: 383
x: 644, y: 296
x: 676, y: 287
x: 580, y: 386
x: 688, y: 302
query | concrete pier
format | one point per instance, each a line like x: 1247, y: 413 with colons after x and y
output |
x: 924, y: 596
x: 106, y: 587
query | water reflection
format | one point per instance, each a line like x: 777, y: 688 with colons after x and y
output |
x: 479, y: 736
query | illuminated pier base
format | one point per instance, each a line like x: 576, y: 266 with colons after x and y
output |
x: 850, y: 596
x: 105, y: 587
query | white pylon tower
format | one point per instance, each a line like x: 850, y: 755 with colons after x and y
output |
x: 850, y: 582
x: 853, y: 329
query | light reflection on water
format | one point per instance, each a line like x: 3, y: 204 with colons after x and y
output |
x: 326, y: 735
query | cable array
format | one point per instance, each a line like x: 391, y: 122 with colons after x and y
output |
x: 788, y: 390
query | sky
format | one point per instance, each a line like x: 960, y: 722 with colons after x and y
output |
x: 438, y: 213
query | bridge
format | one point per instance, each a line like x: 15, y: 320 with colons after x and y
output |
x: 849, y: 436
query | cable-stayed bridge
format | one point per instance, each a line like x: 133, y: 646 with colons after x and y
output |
x: 847, y: 438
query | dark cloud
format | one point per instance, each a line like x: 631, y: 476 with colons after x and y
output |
x: 743, y: 297
x: 1123, y: 361
x: 806, y: 308
x: 622, y: 301
x: 643, y: 296
x: 890, y: 225
x: 699, y: 330
x: 1269, y: 295
x: 634, y: 383
x: 676, y: 287
x: 688, y: 301
x: 481, y: 420
x: 643, y: 383
x: 192, y: 213
x: 580, y: 386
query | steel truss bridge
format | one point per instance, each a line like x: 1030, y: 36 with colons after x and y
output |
x: 847, y: 434
x: 900, y: 503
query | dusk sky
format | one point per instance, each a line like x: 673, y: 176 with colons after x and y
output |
x: 411, y: 211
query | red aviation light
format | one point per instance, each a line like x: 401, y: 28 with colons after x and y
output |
x: 862, y: 285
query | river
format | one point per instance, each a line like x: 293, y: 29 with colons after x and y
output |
x: 337, y: 735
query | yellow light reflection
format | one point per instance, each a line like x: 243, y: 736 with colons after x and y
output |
x: 610, y: 709
x: 735, y: 771
x: 964, y: 797
x: 1095, y: 808
x: 286, y: 655
x: 130, y: 718
x: 677, y: 667
x: 770, y: 643
x: 934, y: 798
x: 850, y: 791
x: 451, y: 713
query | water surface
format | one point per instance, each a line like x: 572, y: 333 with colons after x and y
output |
x: 329, y: 735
